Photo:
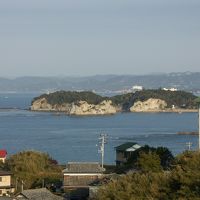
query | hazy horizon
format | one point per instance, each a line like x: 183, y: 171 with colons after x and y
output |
x: 76, y: 38
x: 95, y: 75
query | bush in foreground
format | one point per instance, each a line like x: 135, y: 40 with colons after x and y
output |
x: 181, y: 182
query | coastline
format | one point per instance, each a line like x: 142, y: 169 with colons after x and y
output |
x: 168, y: 111
x: 57, y: 112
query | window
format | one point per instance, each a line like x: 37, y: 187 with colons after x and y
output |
x: 0, y: 179
x: 0, y: 191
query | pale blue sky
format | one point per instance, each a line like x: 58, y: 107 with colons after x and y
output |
x: 87, y: 37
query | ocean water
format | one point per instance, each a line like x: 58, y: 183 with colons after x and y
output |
x: 73, y: 138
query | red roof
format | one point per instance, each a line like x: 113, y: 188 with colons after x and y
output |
x: 3, y: 153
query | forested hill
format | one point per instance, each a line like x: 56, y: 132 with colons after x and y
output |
x: 61, y: 97
x: 179, y: 99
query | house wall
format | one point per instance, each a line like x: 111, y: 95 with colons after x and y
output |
x: 79, y: 180
x: 120, y: 156
x: 3, y: 159
x: 6, y: 192
x: 5, y: 180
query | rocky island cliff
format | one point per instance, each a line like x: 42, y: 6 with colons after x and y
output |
x: 89, y: 103
x: 74, y: 103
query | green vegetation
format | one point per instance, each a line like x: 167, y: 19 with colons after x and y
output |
x: 182, y: 181
x: 143, y: 158
x: 149, y: 162
x: 61, y: 97
x: 179, y: 99
x: 33, y: 168
x: 123, y: 100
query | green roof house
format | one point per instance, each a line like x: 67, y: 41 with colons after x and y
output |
x: 124, y: 152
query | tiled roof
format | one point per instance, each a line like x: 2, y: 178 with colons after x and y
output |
x: 128, y: 146
x: 4, y: 173
x: 3, y: 153
x: 83, y: 167
x: 37, y: 194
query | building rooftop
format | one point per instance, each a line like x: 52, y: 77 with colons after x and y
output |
x: 36, y: 194
x: 4, y: 173
x: 128, y: 146
x: 3, y: 153
x: 83, y: 167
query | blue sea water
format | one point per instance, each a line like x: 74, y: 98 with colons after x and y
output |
x: 73, y: 138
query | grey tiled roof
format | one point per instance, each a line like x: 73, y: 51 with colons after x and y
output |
x: 4, y: 173
x: 38, y: 194
x: 83, y: 167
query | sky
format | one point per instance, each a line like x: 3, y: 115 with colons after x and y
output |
x: 80, y: 38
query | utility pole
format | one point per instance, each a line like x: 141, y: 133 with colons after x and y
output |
x: 198, y: 103
x: 16, y: 184
x: 43, y: 183
x: 103, y: 141
x: 199, y: 123
x: 189, y: 145
x: 22, y: 186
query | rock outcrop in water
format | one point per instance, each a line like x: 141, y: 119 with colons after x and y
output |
x: 43, y: 105
x: 80, y: 108
x: 151, y: 105
x: 83, y: 108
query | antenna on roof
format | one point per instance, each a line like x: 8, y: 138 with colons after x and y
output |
x: 103, y: 141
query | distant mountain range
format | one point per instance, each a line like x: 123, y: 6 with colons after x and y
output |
x: 188, y: 81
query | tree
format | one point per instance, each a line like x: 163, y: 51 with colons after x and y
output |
x: 136, y: 186
x: 32, y: 167
x: 149, y: 162
x: 185, y: 177
x: 165, y: 156
x: 181, y: 182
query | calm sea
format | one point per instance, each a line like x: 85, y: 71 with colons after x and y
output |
x: 76, y: 138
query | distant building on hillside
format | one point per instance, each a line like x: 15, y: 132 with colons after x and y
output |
x: 125, y: 151
x: 3, y: 154
x: 170, y: 89
x: 137, y: 88
x: 6, y: 189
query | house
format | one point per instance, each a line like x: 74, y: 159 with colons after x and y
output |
x: 125, y: 151
x: 3, y: 154
x: 37, y: 194
x: 81, y: 174
x: 78, y: 176
x: 5, y: 184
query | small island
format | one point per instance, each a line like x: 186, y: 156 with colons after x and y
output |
x: 89, y: 103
